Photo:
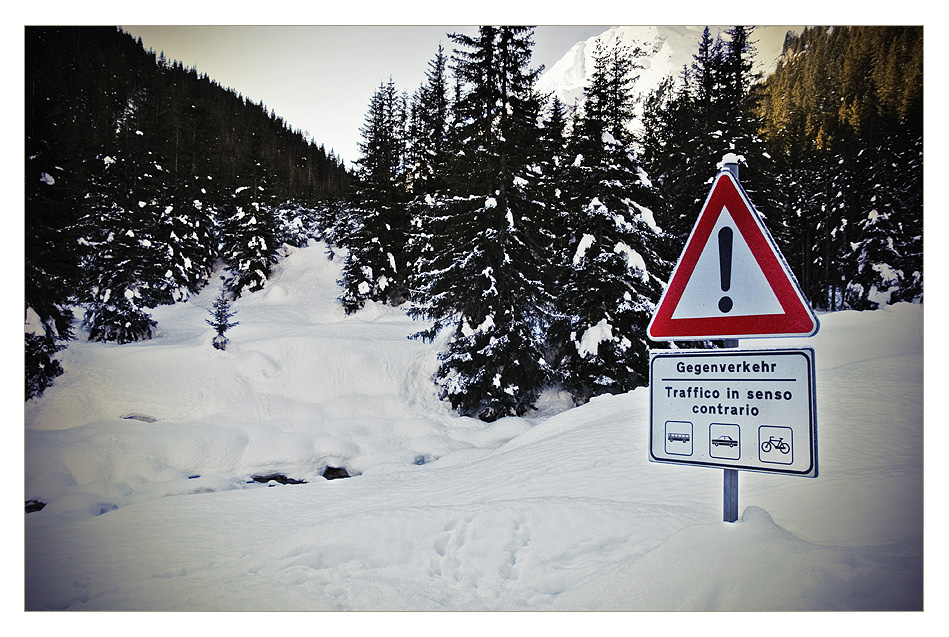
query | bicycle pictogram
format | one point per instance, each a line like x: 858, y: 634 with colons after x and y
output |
x: 776, y: 443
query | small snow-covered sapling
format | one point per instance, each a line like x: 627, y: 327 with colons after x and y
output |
x: 221, y: 314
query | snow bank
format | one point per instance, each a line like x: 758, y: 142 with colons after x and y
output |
x: 144, y: 453
x: 725, y: 567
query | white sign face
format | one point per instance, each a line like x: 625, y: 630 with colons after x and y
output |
x: 753, y: 410
x: 744, y: 283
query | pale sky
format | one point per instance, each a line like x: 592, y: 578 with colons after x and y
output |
x: 320, y: 78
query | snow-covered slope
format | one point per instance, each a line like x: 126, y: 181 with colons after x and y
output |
x: 300, y: 387
x: 667, y: 50
x: 144, y: 453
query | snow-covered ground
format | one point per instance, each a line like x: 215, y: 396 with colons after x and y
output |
x: 144, y: 453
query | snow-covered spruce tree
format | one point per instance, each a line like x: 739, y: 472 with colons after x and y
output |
x: 249, y: 246
x: 553, y: 168
x: 332, y: 225
x: 429, y: 133
x: 908, y: 187
x: 53, y: 192
x: 682, y: 139
x: 430, y: 155
x: 375, y: 268
x: 614, y: 273
x: 479, y: 273
x: 124, y: 256
x: 51, y: 266
x: 883, y: 264
x: 296, y: 224
x: 118, y: 251
x: 220, y: 320
x: 186, y: 230
x: 741, y: 133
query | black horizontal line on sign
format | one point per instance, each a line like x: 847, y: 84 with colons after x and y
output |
x: 693, y: 379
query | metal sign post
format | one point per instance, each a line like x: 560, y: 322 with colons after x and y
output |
x: 730, y: 483
x: 730, y: 499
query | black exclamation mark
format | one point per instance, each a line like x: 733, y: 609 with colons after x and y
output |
x: 725, y: 266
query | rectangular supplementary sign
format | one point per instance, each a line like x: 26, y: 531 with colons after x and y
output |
x: 753, y: 410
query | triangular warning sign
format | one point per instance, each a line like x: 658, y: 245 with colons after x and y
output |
x: 731, y: 280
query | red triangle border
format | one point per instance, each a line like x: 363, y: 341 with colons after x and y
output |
x: 797, y: 319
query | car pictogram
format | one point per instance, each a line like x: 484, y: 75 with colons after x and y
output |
x: 724, y: 441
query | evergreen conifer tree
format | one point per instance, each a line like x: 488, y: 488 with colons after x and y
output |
x: 428, y: 141
x: 480, y: 270
x: 125, y: 256
x: 690, y: 127
x: 665, y: 140
x: 615, y: 273
x: 220, y: 320
x: 186, y: 230
x: 53, y: 191
x: 431, y: 158
x: 249, y: 247
x: 553, y: 166
x: 375, y: 267
x: 683, y: 151
x: 117, y: 294
x: 51, y: 271
x: 882, y: 264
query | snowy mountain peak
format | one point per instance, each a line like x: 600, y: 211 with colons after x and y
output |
x: 667, y: 49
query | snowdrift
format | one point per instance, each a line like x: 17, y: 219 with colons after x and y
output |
x: 145, y: 453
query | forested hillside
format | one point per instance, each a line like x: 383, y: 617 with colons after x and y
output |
x: 140, y: 175
x: 533, y: 238
x: 843, y: 118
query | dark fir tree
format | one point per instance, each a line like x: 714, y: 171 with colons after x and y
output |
x: 614, y: 274
x: 883, y: 264
x: 52, y: 197
x: 186, y: 227
x: 296, y: 223
x: 125, y: 259
x: 553, y: 166
x: 375, y: 268
x: 50, y: 272
x: 430, y: 155
x: 665, y: 142
x: 480, y: 273
x: 681, y: 153
x: 428, y: 138
x: 249, y: 248
x: 741, y: 126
